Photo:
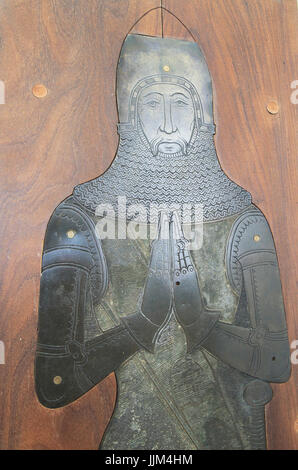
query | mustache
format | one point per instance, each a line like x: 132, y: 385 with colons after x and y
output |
x: 174, y: 138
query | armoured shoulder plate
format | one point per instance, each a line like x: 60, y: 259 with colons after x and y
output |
x: 70, y: 237
x: 250, y: 235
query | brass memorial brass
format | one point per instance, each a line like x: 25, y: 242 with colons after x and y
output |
x: 163, y: 271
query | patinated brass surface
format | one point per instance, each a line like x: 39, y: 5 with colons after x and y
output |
x: 195, y: 333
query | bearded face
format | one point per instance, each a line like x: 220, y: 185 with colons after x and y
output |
x: 166, y: 153
x: 167, y: 116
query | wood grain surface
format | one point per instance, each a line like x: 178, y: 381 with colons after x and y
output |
x: 50, y: 144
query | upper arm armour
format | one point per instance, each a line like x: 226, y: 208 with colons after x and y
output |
x: 252, y: 266
x: 74, y: 278
x: 73, y: 263
x: 251, y: 261
x: 257, y: 342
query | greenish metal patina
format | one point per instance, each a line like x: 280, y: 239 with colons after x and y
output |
x: 179, y: 391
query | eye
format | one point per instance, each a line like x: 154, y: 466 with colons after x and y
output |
x: 181, y: 103
x: 152, y: 103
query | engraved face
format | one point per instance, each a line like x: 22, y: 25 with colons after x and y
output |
x: 166, y: 113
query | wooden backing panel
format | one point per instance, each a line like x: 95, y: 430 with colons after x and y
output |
x: 50, y: 144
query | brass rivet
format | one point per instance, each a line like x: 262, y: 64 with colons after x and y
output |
x: 57, y: 380
x: 71, y: 233
x: 272, y: 107
x: 257, y: 238
x: 166, y: 68
x: 39, y: 90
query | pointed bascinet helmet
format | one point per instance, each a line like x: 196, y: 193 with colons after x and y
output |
x: 190, y: 175
x: 146, y: 60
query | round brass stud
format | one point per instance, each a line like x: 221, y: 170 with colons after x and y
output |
x: 57, y: 380
x: 39, y: 90
x: 257, y: 238
x: 272, y: 107
x: 166, y: 68
x: 71, y: 233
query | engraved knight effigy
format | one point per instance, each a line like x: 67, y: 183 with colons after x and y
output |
x: 187, y: 310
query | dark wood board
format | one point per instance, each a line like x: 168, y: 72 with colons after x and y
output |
x: 50, y: 144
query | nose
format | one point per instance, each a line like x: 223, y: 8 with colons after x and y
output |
x: 167, y: 125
